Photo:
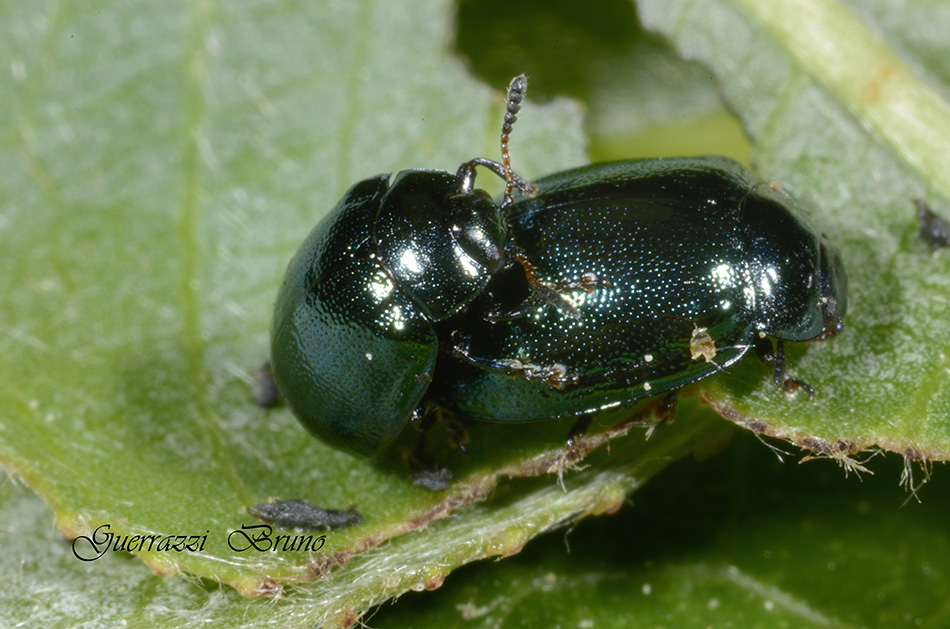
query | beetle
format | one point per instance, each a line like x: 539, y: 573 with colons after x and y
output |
x: 353, y: 338
x: 593, y: 288
x: 647, y: 275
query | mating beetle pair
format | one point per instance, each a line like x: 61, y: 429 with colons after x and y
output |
x: 591, y: 289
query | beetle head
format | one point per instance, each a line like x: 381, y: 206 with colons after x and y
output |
x: 439, y: 244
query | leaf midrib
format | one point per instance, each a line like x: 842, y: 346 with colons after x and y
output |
x: 196, y: 66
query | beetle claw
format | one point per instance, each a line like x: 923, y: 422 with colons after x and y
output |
x: 792, y: 385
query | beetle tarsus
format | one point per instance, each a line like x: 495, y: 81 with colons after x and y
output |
x: 456, y: 434
x: 774, y: 357
x: 458, y: 440
x: 578, y: 430
x: 792, y: 385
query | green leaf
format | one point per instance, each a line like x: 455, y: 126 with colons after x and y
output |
x: 418, y: 561
x: 161, y: 163
x: 851, y: 127
x: 740, y: 540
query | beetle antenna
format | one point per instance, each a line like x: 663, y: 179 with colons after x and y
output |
x: 516, y: 91
x: 466, y: 172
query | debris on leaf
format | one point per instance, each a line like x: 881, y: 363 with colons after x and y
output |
x: 435, y: 478
x: 304, y: 515
x: 265, y: 390
x: 934, y: 229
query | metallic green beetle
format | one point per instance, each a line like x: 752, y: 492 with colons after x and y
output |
x: 597, y: 287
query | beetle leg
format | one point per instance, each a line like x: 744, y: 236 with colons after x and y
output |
x: 789, y: 385
x: 424, y: 417
x: 667, y: 409
x: 457, y: 435
x: 664, y: 412
x: 792, y: 385
x: 466, y: 173
x: 763, y: 347
x: 775, y: 358
x: 547, y: 292
x: 423, y: 471
x: 555, y: 374
x: 543, y: 290
x: 578, y: 430
x: 500, y: 313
